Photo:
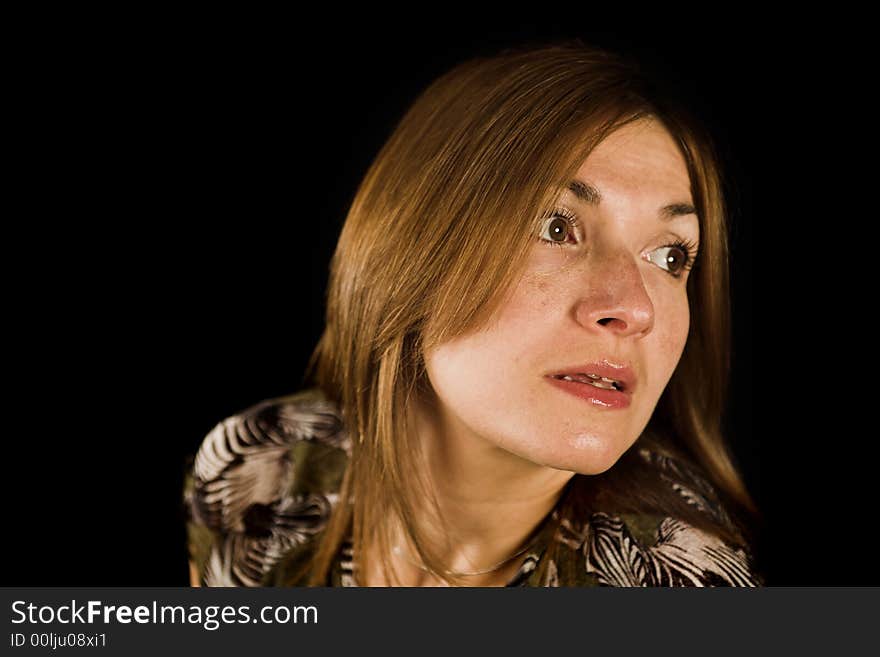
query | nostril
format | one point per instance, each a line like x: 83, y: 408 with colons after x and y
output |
x: 605, y: 320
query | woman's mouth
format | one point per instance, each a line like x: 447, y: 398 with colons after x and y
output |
x: 598, y: 390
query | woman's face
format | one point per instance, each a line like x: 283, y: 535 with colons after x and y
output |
x: 598, y: 287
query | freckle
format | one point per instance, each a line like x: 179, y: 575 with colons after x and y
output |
x: 542, y: 284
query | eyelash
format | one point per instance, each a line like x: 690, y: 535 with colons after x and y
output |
x: 688, y: 247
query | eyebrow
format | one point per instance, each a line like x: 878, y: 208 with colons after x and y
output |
x: 585, y: 192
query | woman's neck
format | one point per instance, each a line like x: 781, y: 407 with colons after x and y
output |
x: 492, y: 501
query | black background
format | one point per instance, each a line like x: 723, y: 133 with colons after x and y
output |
x: 178, y: 196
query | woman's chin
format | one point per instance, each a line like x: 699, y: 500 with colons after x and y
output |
x: 587, y: 454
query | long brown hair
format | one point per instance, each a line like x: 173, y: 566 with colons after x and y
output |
x: 500, y: 136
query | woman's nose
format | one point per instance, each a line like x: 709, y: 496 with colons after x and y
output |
x: 615, y: 297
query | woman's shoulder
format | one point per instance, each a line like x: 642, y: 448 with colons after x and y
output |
x: 652, y: 548
x: 263, y: 483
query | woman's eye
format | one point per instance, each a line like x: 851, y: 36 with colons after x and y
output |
x: 557, y: 230
x: 673, y: 258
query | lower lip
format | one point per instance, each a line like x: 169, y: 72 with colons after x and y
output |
x: 592, y: 394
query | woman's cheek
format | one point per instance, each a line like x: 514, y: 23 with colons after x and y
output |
x: 674, y: 337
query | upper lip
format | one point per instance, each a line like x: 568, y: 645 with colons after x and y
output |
x: 623, y: 374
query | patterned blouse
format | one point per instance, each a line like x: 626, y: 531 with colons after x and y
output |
x: 261, y: 487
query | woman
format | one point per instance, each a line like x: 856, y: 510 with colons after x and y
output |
x: 523, y: 369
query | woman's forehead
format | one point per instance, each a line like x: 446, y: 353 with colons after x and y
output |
x: 641, y: 152
x: 637, y: 164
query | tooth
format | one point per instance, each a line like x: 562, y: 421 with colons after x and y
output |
x: 596, y: 380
